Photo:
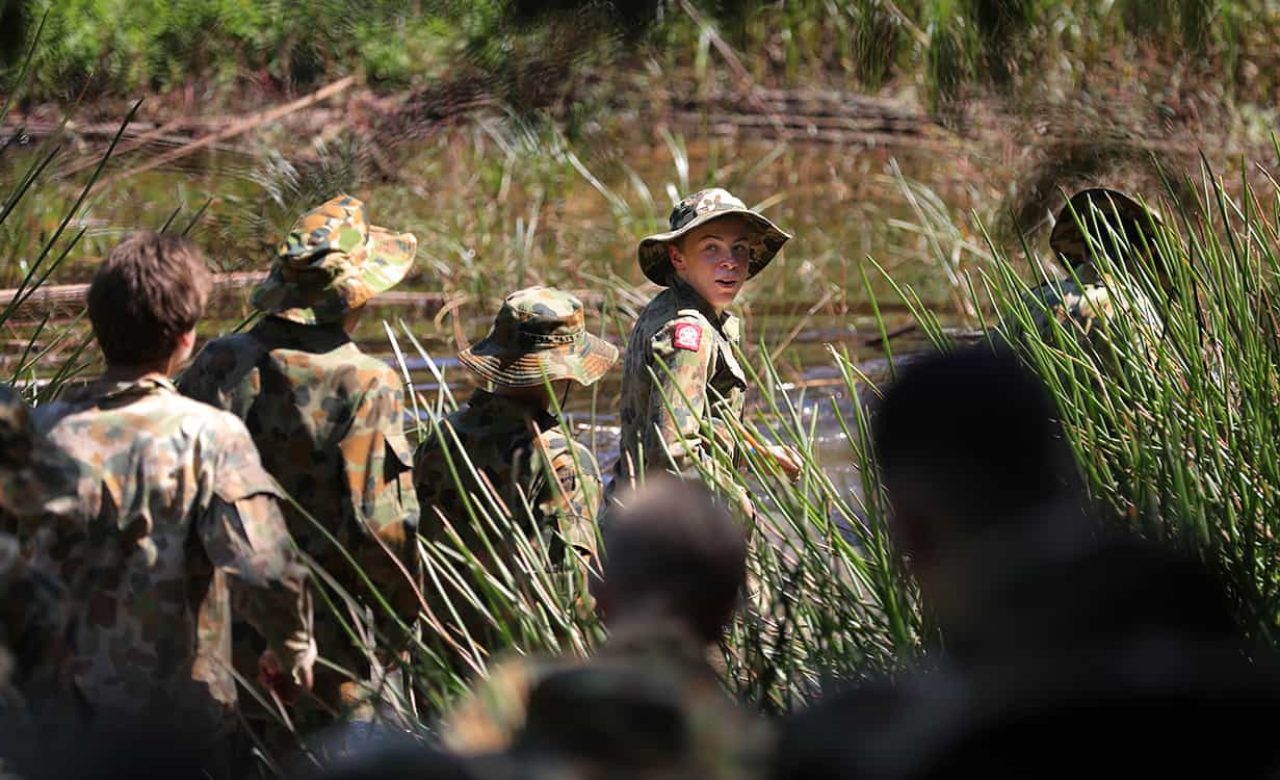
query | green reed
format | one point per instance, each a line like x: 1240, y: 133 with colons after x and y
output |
x: 1174, y: 424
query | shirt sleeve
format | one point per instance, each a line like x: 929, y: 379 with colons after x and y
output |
x: 681, y: 359
x: 382, y: 505
x: 566, y: 490
x: 488, y: 718
x: 244, y: 535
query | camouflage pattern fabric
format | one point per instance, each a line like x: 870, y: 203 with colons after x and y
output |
x: 35, y: 477
x: 175, y: 518
x: 690, y: 352
x: 525, y: 456
x: 698, y: 209
x: 1083, y: 304
x: 648, y: 704
x: 329, y: 422
x: 331, y: 262
x: 539, y: 335
x: 34, y: 615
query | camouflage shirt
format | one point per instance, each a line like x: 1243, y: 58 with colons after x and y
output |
x: 35, y: 477
x: 175, y: 518
x: 329, y: 422
x: 1084, y: 308
x: 525, y: 456
x: 1083, y: 303
x: 690, y: 352
x: 585, y: 714
x: 34, y: 654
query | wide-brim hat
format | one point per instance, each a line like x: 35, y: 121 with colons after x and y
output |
x: 539, y: 335
x: 1100, y: 206
x: 699, y: 209
x: 331, y: 262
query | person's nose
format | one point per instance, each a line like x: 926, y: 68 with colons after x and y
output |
x: 732, y: 260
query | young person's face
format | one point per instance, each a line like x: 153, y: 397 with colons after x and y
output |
x: 713, y: 260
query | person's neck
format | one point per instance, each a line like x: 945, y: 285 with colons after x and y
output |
x: 532, y: 399
x: 687, y: 289
x: 651, y: 617
x: 117, y: 372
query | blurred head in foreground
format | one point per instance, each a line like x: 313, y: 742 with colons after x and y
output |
x: 673, y: 553
x: 971, y: 453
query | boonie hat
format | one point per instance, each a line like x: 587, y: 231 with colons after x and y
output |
x: 1107, y: 209
x: 699, y: 209
x: 333, y: 261
x: 539, y: 335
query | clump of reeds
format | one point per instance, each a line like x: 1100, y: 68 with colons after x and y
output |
x: 1174, y: 422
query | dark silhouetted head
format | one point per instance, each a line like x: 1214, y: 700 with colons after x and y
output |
x: 673, y: 551
x: 969, y: 444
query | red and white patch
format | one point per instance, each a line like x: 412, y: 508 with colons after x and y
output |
x: 688, y: 337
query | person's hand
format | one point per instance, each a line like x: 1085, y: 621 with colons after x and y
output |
x: 273, y: 677
x: 787, y: 459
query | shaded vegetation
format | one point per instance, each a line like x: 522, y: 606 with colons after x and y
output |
x: 520, y: 50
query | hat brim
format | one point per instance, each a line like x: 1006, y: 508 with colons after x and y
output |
x: 390, y: 256
x: 1068, y: 242
x: 656, y: 263
x: 586, y: 365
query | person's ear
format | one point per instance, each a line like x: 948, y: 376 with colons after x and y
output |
x: 187, y: 341
x: 677, y: 259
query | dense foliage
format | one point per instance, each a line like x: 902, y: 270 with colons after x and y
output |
x: 950, y: 48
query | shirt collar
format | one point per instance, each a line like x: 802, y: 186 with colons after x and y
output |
x: 688, y: 298
x: 148, y: 384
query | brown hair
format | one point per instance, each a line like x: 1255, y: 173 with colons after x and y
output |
x: 150, y: 290
x: 674, y: 546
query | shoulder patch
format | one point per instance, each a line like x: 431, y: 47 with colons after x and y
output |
x: 687, y: 336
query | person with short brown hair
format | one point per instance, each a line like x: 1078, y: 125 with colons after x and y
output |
x: 148, y: 293
x: 174, y: 516
x: 674, y: 568
x: 683, y: 391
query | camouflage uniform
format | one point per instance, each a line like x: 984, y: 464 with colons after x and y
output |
x: 1083, y: 302
x: 36, y: 479
x: 175, y: 517
x: 538, y: 336
x: 700, y: 388
x: 525, y: 455
x: 682, y: 386
x: 329, y: 421
x: 583, y: 718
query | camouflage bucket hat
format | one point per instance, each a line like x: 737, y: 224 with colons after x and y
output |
x: 699, y: 209
x: 539, y: 332
x: 333, y: 261
x: 1100, y: 206
x: 35, y: 476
